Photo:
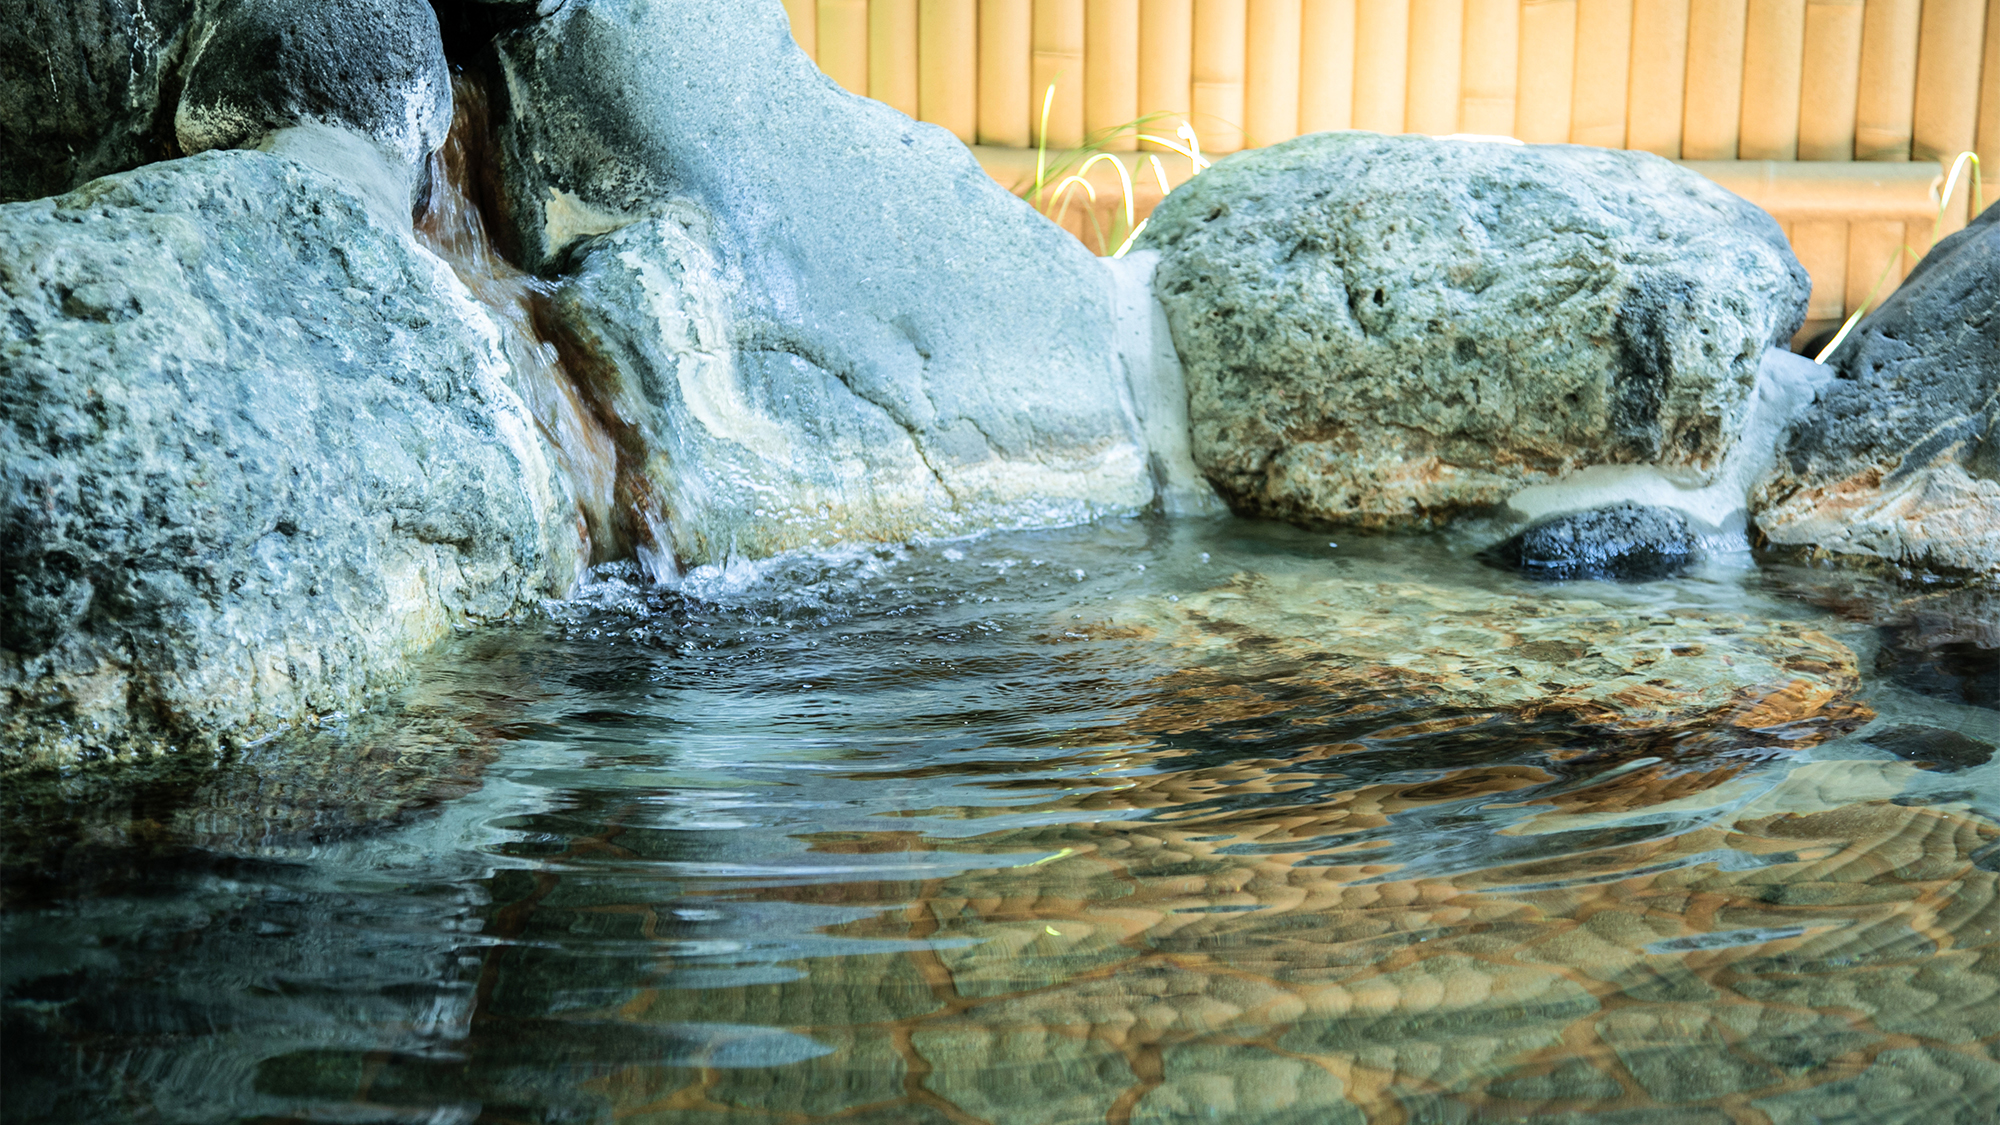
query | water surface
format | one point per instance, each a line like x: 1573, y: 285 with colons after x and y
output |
x: 1004, y: 830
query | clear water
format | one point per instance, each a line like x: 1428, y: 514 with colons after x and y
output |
x: 919, y: 834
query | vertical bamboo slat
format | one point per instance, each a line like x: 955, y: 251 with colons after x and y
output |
x: 892, y: 53
x: 1659, y: 76
x: 1490, y: 71
x: 1166, y: 60
x: 1058, y: 62
x: 1271, y: 79
x: 1219, y: 44
x: 1111, y: 65
x: 948, y: 65
x: 1774, y: 38
x: 1710, y: 124
x: 1603, y: 72
x: 1008, y: 100
x: 1872, y: 246
x: 843, y: 43
x: 1949, y: 46
x: 1548, y: 42
x: 804, y: 15
x: 1381, y: 63
x: 1326, y: 65
x: 1821, y: 247
x: 1831, y: 83
x: 1888, y: 94
x: 1989, y: 103
x: 1437, y: 47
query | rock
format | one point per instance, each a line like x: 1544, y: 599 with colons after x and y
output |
x: 1391, y: 330
x: 1899, y: 458
x: 255, y: 449
x: 81, y: 89
x: 1623, y: 541
x: 1933, y: 747
x: 374, y: 67
x: 814, y: 318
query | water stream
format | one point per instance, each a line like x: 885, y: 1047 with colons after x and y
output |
x: 1057, y: 827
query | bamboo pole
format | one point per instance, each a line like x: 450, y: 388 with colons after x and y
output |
x: 1659, y: 76
x: 1774, y: 40
x: 1166, y: 59
x: 1888, y: 96
x: 1008, y: 99
x: 948, y: 65
x: 1949, y: 45
x: 843, y: 43
x: 1219, y: 44
x: 1381, y: 64
x: 1326, y: 65
x: 1548, y: 44
x: 1437, y: 48
x: 1872, y: 246
x: 1490, y: 70
x: 1821, y: 247
x: 1831, y: 82
x: 1988, y: 139
x: 1111, y: 64
x: 1271, y: 79
x: 892, y: 54
x: 1058, y: 62
x: 1709, y: 129
x: 804, y: 16
x: 1603, y: 72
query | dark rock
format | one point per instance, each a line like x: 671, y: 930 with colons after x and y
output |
x: 817, y: 319
x: 256, y: 449
x: 87, y: 88
x: 374, y: 67
x: 1942, y: 749
x: 1623, y: 541
x: 1391, y: 330
x: 1899, y: 457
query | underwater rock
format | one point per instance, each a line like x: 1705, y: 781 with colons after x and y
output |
x: 1933, y: 747
x: 1899, y: 457
x: 81, y: 89
x: 1390, y: 330
x: 374, y: 67
x: 1706, y: 679
x: 1622, y: 541
x: 256, y: 448
x: 814, y: 318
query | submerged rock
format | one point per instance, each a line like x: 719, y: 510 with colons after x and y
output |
x: 1899, y: 457
x: 256, y: 447
x: 813, y: 318
x: 1391, y: 330
x: 1623, y: 541
x: 1933, y: 747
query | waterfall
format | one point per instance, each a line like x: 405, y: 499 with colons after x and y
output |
x: 617, y: 517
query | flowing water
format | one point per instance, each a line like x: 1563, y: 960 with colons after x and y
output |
x: 1123, y: 823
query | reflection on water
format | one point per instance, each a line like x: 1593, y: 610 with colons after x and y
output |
x: 1143, y: 822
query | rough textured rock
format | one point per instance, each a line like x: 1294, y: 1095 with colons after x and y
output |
x: 1623, y: 541
x: 1389, y: 330
x: 375, y: 67
x: 86, y: 88
x: 1899, y: 457
x: 255, y: 449
x: 815, y: 318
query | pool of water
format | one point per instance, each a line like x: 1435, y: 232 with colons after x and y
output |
x: 1149, y: 821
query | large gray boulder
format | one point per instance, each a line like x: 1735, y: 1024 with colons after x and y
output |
x: 81, y: 89
x: 256, y: 448
x: 818, y: 319
x: 92, y: 87
x: 1389, y: 331
x: 1899, y: 457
